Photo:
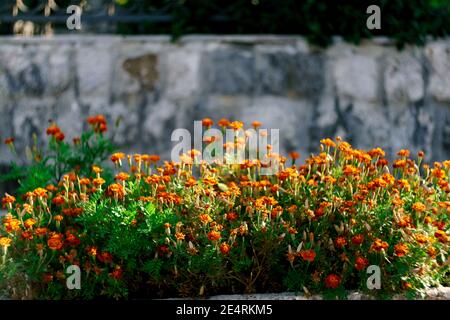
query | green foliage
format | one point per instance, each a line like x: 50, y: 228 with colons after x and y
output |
x: 407, y: 21
x: 48, y: 165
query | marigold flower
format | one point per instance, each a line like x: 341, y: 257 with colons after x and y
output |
x: 5, y: 242
x: 361, y: 263
x: 332, y: 281
x: 55, y: 242
x: 441, y: 236
x: 308, y: 255
x: 418, y: 207
x: 294, y: 155
x: 11, y: 224
x: 401, y: 249
x: 214, y: 235
x: 98, y: 182
x: 225, y: 248
x: 122, y: 176
x: 47, y: 278
x: 231, y: 216
x: 358, y: 239
x: 40, y: 232
x: 58, y: 218
x: 403, y: 153
x: 117, y: 157
x: 8, y: 200
x: 117, y: 273
x: 205, y: 218
x: 207, y: 122
x: 58, y: 200
x: 29, y: 223
x: 379, y: 245
x: 340, y: 242
x: 328, y: 142
x: 236, y: 125
x: 223, y: 122
x: 256, y: 124
x: 105, y: 257
x: 40, y: 192
x: 9, y: 141
x: 26, y: 235
x: 179, y: 236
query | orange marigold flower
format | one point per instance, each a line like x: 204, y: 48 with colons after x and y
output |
x: 179, y: 236
x: 223, y: 122
x: 105, y: 257
x: 207, y: 122
x: 431, y: 251
x: 361, y: 263
x: 256, y: 124
x: 332, y: 281
x: 214, y: 235
x: 117, y: 157
x: 8, y: 200
x: 358, y: 239
x: 55, y: 242
x: 122, y: 176
x: 58, y: 218
x: 377, y: 152
x: 117, y: 273
x: 401, y: 249
x: 40, y: 192
x: 98, y: 182
x: 27, y: 235
x: 9, y: 141
x: 340, y: 242
x: 40, y: 232
x: 29, y: 223
x: 328, y: 142
x: 231, y: 216
x: 47, y: 278
x: 418, y: 207
x: 53, y: 129
x: 308, y: 255
x: 403, y: 153
x: 225, y: 248
x: 294, y: 155
x: 58, y: 200
x: 379, y: 245
x: 420, y: 238
x: 205, y: 218
x: 11, y: 224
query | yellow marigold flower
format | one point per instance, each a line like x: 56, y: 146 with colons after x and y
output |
x: 40, y: 192
x: 236, y: 125
x: 328, y: 143
x: 5, y: 242
x: 97, y: 169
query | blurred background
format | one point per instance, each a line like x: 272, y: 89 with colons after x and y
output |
x: 310, y: 68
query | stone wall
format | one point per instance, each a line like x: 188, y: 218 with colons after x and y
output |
x: 371, y: 94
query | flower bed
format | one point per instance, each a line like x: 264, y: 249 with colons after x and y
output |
x: 192, y: 228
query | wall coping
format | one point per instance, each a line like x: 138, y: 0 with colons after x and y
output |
x: 259, y: 39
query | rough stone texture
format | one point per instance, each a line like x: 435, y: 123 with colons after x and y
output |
x: 371, y: 94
